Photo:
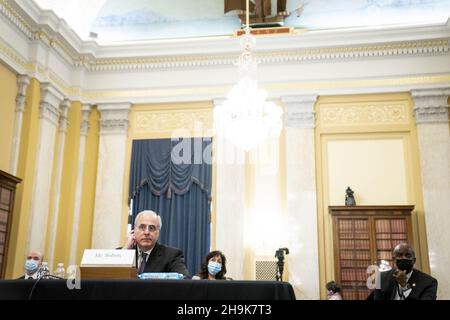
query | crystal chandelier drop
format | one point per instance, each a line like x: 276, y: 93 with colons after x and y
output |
x: 246, y: 118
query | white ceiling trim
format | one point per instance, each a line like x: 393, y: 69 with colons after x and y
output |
x: 36, y: 42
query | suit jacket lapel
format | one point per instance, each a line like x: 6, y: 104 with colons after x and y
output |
x: 413, y: 280
x: 152, y: 261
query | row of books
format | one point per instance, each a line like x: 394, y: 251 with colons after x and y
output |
x: 359, y: 274
x: 384, y: 255
x: 355, y: 263
x: 391, y: 235
x: 390, y: 225
x: 354, y: 244
x: 2, y: 236
x: 354, y: 236
x: 352, y: 294
x: 388, y: 244
x: 5, y: 196
x: 3, y: 216
x: 353, y: 226
x: 356, y: 255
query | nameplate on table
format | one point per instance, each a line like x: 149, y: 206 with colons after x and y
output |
x: 108, y: 258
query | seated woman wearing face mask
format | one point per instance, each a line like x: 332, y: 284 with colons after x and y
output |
x: 213, y: 267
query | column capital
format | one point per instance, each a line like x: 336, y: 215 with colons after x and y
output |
x: 114, y: 118
x: 299, y: 111
x: 218, y: 101
x: 64, y: 110
x: 85, y: 111
x: 431, y: 105
x: 51, y: 99
x: 23, y: 82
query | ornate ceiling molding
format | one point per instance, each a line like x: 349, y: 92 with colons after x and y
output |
x: 92, y: 60
x: 41, y: 45
x: 16, y: 18
x: 406, y: 48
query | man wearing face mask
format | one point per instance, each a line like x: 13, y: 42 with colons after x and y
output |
x: 32, y: 265
x: 404, y: 282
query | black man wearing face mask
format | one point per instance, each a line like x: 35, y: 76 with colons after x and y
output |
x: 404, y: 282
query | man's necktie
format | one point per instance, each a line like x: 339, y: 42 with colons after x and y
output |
x: 143, y: 263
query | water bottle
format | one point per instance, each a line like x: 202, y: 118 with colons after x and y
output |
x: 44, y: 271
x: 60, y: 272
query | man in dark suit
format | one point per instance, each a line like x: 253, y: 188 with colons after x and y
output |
x: 152, y: 256
x: 403, y: 282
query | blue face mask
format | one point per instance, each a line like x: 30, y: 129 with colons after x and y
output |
x: 214, y: 267
x: 31, y: 266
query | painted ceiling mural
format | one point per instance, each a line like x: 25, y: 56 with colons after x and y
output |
x: 136, y: 20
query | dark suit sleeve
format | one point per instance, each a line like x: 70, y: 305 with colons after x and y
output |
x: 429, y: 293
x: 177, y: 264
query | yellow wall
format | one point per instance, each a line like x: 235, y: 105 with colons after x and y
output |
x: 25, y: 171
x: 367, y: 142
x: 374, y: 167
x: 8, y: 92
x: 89, y: 183
x: 68, y: 185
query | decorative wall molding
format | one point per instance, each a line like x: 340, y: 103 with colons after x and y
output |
x: 370, y: 113
x: 426, y: 47
x: 299, y: 111
x: 50, y: 103
x: 173, y: 121
x: 114, y: 118
x: 85, y: 111
x: 431, y: 106
x: 15, y: 18
x: 64, y: 110
x: 22, y: 85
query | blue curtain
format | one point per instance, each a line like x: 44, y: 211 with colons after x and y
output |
x: 173, y: 177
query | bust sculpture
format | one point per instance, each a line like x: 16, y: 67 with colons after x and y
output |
x: 349, y: 198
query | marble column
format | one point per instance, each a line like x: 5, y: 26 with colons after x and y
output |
x: 64, y: 108
x: 431, y: 111
x: 299, y: 122
x: 49, y: 113
x: 110, y: 175
x: 230, y: 204
x: 22, y: 85
x: 86, y: 111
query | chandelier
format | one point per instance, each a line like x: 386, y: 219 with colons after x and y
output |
x: 245, y: 118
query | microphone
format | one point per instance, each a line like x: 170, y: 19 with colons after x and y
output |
x: 42, y: 273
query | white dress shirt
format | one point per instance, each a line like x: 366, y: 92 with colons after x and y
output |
x: 403, y: 292
x: 140, y: 256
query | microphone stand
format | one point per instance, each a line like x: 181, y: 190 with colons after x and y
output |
x: 279, y: 254
x: 280, y: 269
x: 41, y: 276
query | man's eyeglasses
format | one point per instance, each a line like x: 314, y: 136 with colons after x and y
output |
x: 150, y: 228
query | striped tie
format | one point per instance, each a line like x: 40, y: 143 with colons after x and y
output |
x: 143, y: 262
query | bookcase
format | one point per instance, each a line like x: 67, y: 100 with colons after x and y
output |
x: 363, y: 236
x: 7, y: 191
